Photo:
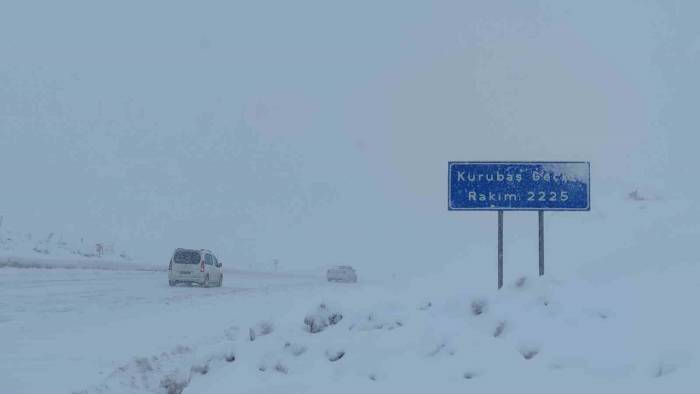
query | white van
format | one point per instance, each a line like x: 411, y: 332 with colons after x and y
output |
x: 195, y: 266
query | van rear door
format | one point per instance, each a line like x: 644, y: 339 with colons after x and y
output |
x: 186, y: 261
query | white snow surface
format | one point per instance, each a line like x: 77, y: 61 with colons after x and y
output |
x: 572, y: 171
x: 52, y: 250
x: 617, y: 318
x: 307, y: 135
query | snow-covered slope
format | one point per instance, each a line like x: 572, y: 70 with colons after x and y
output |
x: 615, y: 319
x: 26, y: 250
x: 619, y: 320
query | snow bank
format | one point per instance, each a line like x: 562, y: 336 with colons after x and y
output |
x: 612, y: 315
x: 53, y: 251
x: 75, y: 263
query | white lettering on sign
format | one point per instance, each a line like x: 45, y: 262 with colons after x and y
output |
x: 474, y: 196
x: 562, y: 196
x: 497, y: 177
x: 551, y: 196
x: 516, y: 186
x: 550, y: 177
x: 463, y: 176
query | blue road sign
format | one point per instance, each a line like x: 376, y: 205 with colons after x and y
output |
x: 514, y: 186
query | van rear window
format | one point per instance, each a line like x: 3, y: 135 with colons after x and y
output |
x: 186, y: 257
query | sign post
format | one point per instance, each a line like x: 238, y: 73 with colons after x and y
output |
x: 500, y: 249
x: 519, y: 186
x: 541, y: 232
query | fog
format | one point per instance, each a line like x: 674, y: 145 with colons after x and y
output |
x: 319, y: 133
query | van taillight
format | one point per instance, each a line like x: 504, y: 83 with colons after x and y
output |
x: 201, y: 266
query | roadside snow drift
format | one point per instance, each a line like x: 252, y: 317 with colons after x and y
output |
x: 618, y: 321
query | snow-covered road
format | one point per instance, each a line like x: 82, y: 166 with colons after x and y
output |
x: 65, y: 330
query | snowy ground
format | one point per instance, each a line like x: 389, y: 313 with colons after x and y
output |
x: 615, y: 318
x: 15, y: 245
x: 65, y: 330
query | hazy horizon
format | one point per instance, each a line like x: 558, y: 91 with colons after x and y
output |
x: 307, y: 131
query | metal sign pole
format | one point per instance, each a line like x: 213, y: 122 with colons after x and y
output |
x: 519, y: 186
x: 500, y: 249
x: 541, y: 215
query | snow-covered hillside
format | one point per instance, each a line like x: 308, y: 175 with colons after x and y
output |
x: 616, y: 319
x: 28, y: 250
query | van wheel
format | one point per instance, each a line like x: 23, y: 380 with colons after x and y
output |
x: 221, y: 280
x: 172, y: 282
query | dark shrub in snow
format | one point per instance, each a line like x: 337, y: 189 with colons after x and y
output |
x: 200, y: 369
x: 478, y: 307
x: 529, y: 353
x: 173, y: 385
x: 143, y: 364
x: 322, y: 318
x: 334, y: 318
x: 664, y: 369
x: 499, y: 329
x: 314, y: 324
x: 278, y: 367
x: 265, y: 328
x: 281, y: 368
x: 635, y: 195
x: 469, y: 375
x: 335, y: 355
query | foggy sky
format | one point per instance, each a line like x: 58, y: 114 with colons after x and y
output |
x: 319, y: 132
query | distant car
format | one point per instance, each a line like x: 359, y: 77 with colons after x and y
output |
x: 342, y: 273
x: 195, y: 266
